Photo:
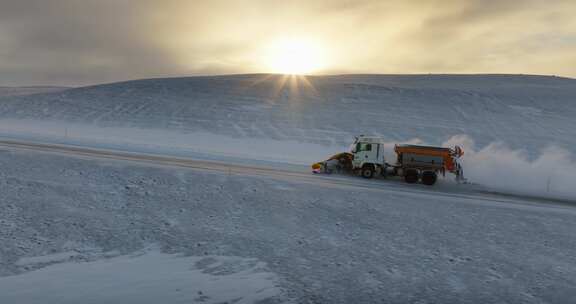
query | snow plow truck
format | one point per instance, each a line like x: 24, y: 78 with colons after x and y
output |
x: 413, y: 163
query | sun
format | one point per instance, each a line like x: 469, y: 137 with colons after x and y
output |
x: 294, y: 56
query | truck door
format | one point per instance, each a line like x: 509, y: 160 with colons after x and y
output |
x: 366, y: 153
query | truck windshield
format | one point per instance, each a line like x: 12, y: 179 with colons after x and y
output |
x: 363, y: 147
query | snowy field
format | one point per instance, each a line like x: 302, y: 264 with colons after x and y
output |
x: 79, y: 221
x: 139, y: 232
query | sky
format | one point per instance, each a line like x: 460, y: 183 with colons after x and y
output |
x: 79, y: 42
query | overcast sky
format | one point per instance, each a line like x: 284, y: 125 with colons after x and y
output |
x: 75, y: 42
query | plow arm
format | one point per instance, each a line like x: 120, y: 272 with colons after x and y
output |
x: 341, y: 162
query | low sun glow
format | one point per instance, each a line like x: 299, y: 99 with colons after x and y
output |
x: 294, y: 56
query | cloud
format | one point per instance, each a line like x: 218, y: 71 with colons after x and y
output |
x: 80, y: 42
x: 498, y: 36
x: 77, y: 41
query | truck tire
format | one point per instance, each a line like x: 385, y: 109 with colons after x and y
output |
x: 411, y: 176
x: 429, y: 178
x: 367, y: 171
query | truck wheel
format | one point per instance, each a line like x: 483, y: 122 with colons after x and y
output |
x: 429, y: 178
x: 411, y: 176
x: 367, y: 171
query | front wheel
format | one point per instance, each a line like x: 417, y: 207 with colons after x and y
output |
x: 367, y: 171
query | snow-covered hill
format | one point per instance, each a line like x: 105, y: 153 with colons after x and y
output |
x: 518, y: 131
x: 525, y: 112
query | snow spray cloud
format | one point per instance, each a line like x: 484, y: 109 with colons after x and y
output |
x: 496, y: 166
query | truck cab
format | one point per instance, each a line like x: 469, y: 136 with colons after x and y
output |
x: 368, y: 155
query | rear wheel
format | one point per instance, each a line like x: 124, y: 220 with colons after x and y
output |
x: 411, y: 176
x: 367, y: 171
x: 429, y: 178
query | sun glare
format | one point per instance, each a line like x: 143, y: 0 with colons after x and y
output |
x: 294, y: 56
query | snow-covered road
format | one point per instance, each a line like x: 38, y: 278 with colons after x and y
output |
x: 286, y: 172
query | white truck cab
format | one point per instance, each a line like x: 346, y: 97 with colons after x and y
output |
x: 368, y: 155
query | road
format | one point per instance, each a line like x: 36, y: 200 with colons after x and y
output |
x: 465, y: 192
